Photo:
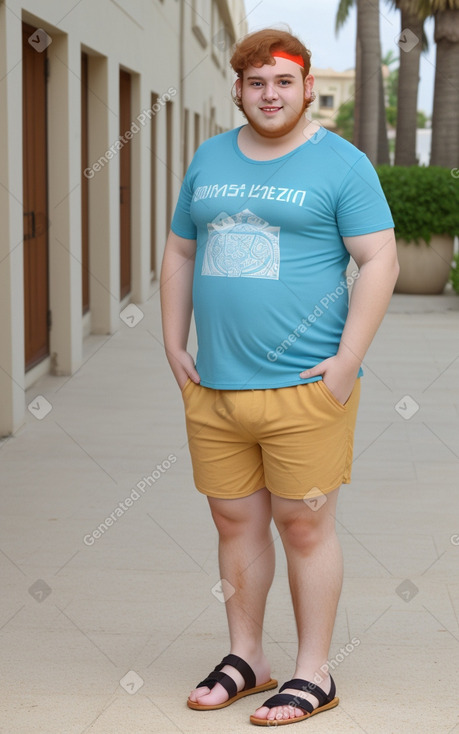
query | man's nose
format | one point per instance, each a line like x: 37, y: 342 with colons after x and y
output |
x: 269, y: 91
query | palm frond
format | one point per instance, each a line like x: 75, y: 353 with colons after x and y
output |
x: 438, y: 6
x: 342, y: 13
x: 425, y: 8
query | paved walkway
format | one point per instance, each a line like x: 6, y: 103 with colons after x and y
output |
x: 106, y: 630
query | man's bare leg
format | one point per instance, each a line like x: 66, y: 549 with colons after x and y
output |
x: 315, y: 568
x: 247, y: 559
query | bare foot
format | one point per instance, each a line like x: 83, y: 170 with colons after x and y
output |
x: 206, y: 697
x: 279, y: 713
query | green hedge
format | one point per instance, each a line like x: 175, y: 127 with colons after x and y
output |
x: 454, y: 276
x: 423, y: 200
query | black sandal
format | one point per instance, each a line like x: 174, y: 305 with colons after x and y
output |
x: 326, y: 701
x: 229, y: 685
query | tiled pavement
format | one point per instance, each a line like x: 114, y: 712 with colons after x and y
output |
x: 106, y: 635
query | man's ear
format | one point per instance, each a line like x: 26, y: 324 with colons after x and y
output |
x: 308, y: 87
x: 238, y: 88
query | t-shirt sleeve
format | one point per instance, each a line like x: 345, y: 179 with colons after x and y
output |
x: 362, y: 207
x: 182, y: 223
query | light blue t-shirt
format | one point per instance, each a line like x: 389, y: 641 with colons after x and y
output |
x: 270, y: 291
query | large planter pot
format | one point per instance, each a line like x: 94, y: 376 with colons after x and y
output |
x: 424, y: 269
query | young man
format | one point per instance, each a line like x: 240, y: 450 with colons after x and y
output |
x: 267, y: 218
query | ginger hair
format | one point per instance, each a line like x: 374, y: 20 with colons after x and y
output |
x: 256, y: 49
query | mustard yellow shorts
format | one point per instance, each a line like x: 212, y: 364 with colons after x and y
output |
x: 296, y: 441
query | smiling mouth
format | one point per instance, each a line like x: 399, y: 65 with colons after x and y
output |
x: 270, y: 109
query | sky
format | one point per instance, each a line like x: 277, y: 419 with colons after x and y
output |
x: 314, y: 22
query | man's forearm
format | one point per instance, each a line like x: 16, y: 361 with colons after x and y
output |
x: 176, y: 301
x: 370, y: 298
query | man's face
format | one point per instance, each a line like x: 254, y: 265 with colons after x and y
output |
x: 274, y: 97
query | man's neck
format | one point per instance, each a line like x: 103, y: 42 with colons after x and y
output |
x: 259, y: 147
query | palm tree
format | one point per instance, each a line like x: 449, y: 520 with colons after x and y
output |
x: 412, y: 20
x: 342, y: 15
x: 382, y: 156
x: 445, y: 126
x: 371, y: 90
x: 445, y: 118
x: 370, y: 133
x: 411, y: 45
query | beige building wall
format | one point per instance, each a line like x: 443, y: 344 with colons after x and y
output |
x: 333, y: 88
x: 177, y: 55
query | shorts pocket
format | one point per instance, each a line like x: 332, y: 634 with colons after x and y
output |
x: 186, y: 385
x: 331, y: 398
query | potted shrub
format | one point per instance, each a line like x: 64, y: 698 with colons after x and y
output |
x: 425, y: 207
x: 454, y: 275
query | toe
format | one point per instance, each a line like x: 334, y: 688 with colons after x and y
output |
x: 278, y: 713
x: 198, y: 693
x: 262, y: 712
x: 214, y: 697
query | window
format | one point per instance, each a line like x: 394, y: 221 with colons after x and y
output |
x: 197, y: 130
x: 326, y: 100
x: 169, y: 162
x: 185, y: 136
x: 199, y: 21
x: 221, y: 40
x: 153, y: 187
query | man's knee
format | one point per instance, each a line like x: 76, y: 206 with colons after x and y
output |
x: 228, y: 524
x: 237, y: 517
x: 304, y: 530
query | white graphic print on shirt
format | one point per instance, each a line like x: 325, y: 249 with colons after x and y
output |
x: 242, y: 246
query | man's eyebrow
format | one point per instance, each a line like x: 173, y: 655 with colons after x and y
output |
x: 278, y: 76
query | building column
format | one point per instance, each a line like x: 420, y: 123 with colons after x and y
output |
x: 64, y: 208
x: 104, y: 195
x: 141, y: 189
x: 12, y: 402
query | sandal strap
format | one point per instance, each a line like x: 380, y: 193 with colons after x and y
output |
x: 305, y: 685
x: 243, y: 668
x: 287, y: 699
x: 216, y: 676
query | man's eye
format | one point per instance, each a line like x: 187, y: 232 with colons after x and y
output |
x: 285, y: 82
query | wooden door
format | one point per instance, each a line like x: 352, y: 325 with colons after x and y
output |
x: 35, y: 202
x: 169, y: 151
x: 84, y: 184
x: 125, y: 185
x: 153, y: 189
